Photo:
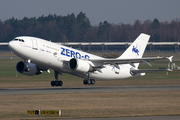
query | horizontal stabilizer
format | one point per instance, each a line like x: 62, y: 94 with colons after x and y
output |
x: 170, y: 58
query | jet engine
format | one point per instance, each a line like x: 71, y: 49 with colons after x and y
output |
x: 27, y: 68
x: 80, y: 65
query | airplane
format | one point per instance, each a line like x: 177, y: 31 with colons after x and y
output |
x: 40, y: 55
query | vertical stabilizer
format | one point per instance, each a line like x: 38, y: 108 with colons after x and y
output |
x: 137, y: 48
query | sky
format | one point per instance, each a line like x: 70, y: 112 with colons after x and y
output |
x: 113, y: 11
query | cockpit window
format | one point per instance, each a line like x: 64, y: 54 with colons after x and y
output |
x: 21, y: 40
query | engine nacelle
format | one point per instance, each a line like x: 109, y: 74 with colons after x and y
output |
x: 80, y: 65
x: 31, y: 70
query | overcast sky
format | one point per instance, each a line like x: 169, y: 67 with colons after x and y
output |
x: 114, y: 11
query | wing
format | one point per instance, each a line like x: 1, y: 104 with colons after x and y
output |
x: 130, y: 61
x: 149, y: 70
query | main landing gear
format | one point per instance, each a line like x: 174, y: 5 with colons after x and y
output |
x: 89, y: 81
x: 56, y: 82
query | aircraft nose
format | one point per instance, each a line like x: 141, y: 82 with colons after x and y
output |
x: 12, y: 45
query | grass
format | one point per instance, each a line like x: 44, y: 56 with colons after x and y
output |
x: 83, y: 105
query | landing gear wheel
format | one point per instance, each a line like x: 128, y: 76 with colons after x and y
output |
x: 89, y: 81
x: 52, y: 83
x: 85, y: 82
x: 56, y: 83
x: 92, y: 81
x: 60, y: 83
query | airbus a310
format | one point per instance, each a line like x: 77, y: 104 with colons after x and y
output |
x: 39, y: 55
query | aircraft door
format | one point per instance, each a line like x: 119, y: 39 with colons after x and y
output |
x: 34, y: 44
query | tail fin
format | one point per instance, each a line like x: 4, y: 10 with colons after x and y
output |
x: 137, y: 48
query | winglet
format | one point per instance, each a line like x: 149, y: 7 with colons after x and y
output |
x: 170, y: 58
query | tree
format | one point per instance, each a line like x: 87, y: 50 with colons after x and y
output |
x: 78, y: 28
x: 83, y: 25
x: 155, y: 24
x: 72, y: 27
x: 104, y: 31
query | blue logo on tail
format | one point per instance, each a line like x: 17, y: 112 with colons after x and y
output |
x: 135, y: 50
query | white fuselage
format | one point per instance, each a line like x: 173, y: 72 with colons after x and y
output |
x: 55, y: 56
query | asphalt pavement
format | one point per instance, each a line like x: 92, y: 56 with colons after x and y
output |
x: 87, y: 89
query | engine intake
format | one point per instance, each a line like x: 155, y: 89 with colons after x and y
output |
x: 80, y: 65
x: 31, y: 70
